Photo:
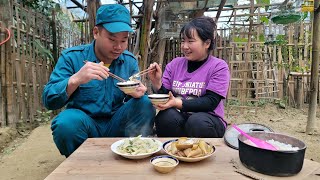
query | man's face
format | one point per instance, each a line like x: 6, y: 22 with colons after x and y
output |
x: 109, y: 46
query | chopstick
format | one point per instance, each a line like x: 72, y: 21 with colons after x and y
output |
x: 116, y: 77
x: 146, y: 71
x: 112, y: 75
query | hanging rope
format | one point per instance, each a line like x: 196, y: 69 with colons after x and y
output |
x: 9, y: 35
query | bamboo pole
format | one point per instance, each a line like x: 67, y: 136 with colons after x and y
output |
x: 10, y: 89
x: 18, y: 69
x: 145, y: 33
x: 246, y: 55
x: 54, y: 36
x: 311, y: 124
x: 5, y: 17
x: 28, y: 80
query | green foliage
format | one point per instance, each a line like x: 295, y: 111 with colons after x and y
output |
x: 304, y: 16
x: 286, y: 18
x: 238, y: 39
x: 233, y: 102
x: 281, y: 39
x: 264, y: 19
x: 264, y: 2
x: 261, y: 38
x: 43, y: 6
x: 42, y: 51
x: 281, y: 103
x: 44, y: 116
x: 258, y: 103
x: 289, y: 52
x: 262, y: 102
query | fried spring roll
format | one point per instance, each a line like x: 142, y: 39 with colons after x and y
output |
x: 195, y: 152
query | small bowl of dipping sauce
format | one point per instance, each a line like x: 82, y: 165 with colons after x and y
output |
x: 164, y: 163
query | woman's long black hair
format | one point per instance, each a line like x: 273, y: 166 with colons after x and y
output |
x: 205, y: 27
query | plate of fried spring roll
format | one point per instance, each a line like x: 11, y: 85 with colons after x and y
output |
x: 188, y: 149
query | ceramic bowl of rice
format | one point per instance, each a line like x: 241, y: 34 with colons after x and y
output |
x: 158, y: 98
x: 128, y: 86
x: 287, y: 160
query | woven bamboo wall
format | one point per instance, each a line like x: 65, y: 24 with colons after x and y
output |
x: 27, y: 61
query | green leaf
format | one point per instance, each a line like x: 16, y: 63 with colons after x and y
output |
x: 261, y: 38
x: 264, y: 2
x: 238, y: 39
x: 264, y: 19
x: 43, y: 51
x: 282, y: 105
x: 305, y: 15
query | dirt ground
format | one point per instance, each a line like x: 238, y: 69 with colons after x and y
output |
x: 33, y: 154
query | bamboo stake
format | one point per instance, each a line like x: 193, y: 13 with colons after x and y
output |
x: 311, y: 124
x: 145, y: 33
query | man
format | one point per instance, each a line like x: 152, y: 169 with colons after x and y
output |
x: 95, y: 106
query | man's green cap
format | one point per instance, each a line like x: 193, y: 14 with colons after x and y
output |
x: 114, y: 18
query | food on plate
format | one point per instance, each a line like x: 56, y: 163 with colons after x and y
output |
x: 183, y: 143
x: 190, y: 148
x: 138, y: 146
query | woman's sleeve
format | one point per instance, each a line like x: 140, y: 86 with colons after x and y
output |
x: 206, y: 103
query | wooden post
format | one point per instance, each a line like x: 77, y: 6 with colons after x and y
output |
x: 145, y: 32
x: 54, y: 37
x: 5, y: 15
x: 92, y: 6
x: 298, y: 91
x: 28, y: 80
x: 10, y: 90
x: 311, y: 124
x: 306, y: 58
x: 3, y: 96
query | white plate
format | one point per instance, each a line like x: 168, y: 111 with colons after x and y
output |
x: 114, y: 148
x: 166, y: 145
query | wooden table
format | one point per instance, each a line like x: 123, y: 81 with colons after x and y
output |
x: 95, y: 160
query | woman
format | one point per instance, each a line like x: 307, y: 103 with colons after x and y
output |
x: 197, y: 84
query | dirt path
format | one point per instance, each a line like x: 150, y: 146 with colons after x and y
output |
x: 33, y: 159
x: 36, y: 156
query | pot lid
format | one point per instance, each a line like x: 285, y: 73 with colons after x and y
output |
x: 231, y: 135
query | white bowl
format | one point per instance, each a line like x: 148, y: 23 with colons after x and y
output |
x: 114, y: 148
x: 164, y: 163
x: 128, y: 86
x: 167, y: 144
x: 158, y: 98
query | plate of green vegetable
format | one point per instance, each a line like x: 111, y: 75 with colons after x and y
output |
x: 136, y: 147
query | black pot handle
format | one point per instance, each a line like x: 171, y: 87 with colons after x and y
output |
x: 256, y: 130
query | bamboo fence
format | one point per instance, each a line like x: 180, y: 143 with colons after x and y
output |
x: 259, y: 71
x: 27, y: 60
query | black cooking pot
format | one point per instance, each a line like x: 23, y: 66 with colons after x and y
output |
x: 274, y: 163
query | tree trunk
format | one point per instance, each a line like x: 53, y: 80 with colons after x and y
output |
x: 311, y: 124
x: 145, y: 33
x: 92, y: 7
